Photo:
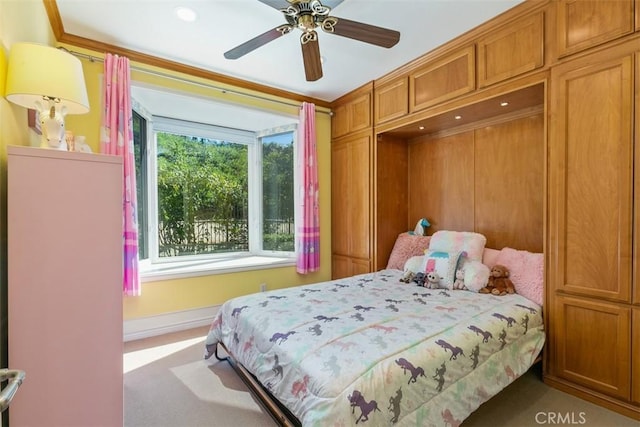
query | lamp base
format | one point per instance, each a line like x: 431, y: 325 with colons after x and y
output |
x: 62, y: 146
x: 52, y: 126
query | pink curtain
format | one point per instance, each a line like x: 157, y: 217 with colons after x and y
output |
x: 116, y: 138
x: 308, y: 221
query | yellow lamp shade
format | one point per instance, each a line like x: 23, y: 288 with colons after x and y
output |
x: 39, y: 72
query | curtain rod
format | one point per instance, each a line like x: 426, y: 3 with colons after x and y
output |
x: 206, y: 85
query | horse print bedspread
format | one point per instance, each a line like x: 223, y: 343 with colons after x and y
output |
x: 372, y: 350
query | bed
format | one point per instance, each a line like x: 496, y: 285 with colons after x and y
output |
x: 374, y: 350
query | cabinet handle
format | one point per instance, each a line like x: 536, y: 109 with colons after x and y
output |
x: 15, y: 378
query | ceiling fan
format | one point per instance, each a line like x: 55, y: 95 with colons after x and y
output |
x: 307, y: 15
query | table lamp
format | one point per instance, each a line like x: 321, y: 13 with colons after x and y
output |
x: 50, y: 81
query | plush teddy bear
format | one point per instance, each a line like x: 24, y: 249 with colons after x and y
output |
x: 459, y: 282
x: 433, y: 280
x: 499, y: 282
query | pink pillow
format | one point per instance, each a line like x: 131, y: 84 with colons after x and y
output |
x: 406, y: 246
x: 489, y: 257
x: 526, y: 272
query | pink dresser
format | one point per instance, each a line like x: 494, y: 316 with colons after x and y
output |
x: 65, y: 287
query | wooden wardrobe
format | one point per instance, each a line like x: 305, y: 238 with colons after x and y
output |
x: 593, y: 298
x: 555, y: 172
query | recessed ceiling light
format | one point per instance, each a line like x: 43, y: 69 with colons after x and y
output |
x: 186, y: 14
x: 421, y: 127
x: 504, y: 104
x: 457, y: 117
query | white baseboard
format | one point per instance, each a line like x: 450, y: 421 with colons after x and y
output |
x: 160, y: 324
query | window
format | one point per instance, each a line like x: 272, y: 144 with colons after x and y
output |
x: 277, y: 190
x: 205, y: 191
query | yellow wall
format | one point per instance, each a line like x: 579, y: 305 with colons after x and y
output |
x: 20, y: 21
x: 26, y: 20
x: 183, y: 294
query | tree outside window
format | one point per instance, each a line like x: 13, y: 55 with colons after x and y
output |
x: 198, y: 197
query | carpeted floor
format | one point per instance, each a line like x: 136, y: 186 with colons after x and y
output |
x: 167, y: 384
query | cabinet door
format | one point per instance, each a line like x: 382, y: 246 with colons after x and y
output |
x: 340, y: 121
x: 391, y: 100
x: 342, y: 266
x: 586, y: 23
x: 635, y: 351
x: 592, y: 345
x: 511, y: 51
x: 351, y: 196
x: 442, y: 79
x: 360, y: 113
x: 591, y: 172
x: 352, y: 116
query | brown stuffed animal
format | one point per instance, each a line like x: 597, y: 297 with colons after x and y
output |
x: 499, y: 282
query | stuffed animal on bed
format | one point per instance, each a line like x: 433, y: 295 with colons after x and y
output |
x: 459, y: 282
x: 420, y: 278
x: 499, y: 282
x: 408, y: 276
x: 433, y: 280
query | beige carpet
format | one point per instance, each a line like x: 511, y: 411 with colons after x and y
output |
x: 167, y: 384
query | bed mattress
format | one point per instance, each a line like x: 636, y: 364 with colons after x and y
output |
x: 373, y: 350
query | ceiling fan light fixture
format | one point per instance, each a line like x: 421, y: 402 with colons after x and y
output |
x: 185, y: 14
x: 307, y: 15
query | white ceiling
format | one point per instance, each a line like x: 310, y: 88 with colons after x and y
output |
x: 151, y: 27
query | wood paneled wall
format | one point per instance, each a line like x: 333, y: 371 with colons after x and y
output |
x: 489, y: 180
x: 441, y: 185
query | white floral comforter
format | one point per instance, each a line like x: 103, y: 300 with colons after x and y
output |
x: 372, y: 350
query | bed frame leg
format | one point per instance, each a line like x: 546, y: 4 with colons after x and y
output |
x: 222, y: 359
x: 282, y: 418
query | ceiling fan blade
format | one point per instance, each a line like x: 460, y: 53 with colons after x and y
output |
x: 364, y: 32
x: 254, y: 43
x: 311, y: 58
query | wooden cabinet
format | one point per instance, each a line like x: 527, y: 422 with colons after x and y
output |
x: 592, y: 149
x: 512, y: 50
x: 351, y: 229
x: 635, y: 350
x: 352, y: 113
x: 442, y: 79
x: 586, y: 23
x: 592, y: 344
x: 594, y: 133
x: 391, y: 99
x: 65, y: 287
x: 344, y: 266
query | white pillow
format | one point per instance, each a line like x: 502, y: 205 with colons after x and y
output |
x: 414, y: 264
x: 476, y: 275
x: 444, y: 264
x: 454, y: 241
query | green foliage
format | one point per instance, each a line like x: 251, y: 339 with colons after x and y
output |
x: 203, y: 196
x: 277, y: 187
x: 200, y: 180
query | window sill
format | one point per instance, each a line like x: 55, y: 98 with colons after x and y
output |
x: 195, y: 268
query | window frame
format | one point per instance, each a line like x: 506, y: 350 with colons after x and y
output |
x: 156, y: 267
